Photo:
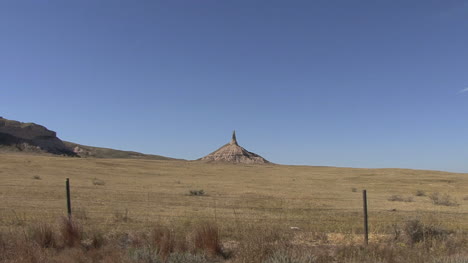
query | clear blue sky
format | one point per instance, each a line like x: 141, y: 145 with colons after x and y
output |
x: 373, y: 83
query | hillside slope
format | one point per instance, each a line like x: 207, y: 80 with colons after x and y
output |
x: 20, y: 137
x: 98, y: 152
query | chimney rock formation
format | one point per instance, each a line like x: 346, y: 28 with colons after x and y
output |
x: 233, y: 153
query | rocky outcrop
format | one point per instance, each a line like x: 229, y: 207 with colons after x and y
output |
x: 233, y: 153
x: 30, y: 137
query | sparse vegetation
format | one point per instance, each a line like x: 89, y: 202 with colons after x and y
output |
x: 285, y: 257
x: 202, y: 243
x: 443, y: 199
x: 399, y: 198
x: 354, y: 189
x: 37, y: 177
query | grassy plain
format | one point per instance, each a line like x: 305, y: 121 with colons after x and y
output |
x: 263, y: 213
x: 130, y: 193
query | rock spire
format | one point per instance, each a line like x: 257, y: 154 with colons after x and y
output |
x: 233, y: 140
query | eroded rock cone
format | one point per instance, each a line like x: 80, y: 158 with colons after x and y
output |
x: 233, y: 153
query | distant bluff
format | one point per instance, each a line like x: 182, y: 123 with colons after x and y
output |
x: 30, y: 137
x: 233, y: 153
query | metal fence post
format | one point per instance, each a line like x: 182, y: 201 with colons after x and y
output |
x: 366, y: 226
x: 67, y: 185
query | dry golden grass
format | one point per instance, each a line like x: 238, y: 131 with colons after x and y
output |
x: 132, y: 194
x: 127, y: 210
x: 418, y: 243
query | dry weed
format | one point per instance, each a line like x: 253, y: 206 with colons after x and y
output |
x: 206, y: 239
x: 71, y: 232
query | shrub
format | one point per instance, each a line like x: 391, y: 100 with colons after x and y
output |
x: 97, y: 239
x: 398, y: 198
x: 420, y: 193
x: 465, y: 198
x: 417, y: 231
x: 98, y: 182
x: 414, y: 230
x: 197, y: 192
x: 442, y: 199
x: 36, y: 177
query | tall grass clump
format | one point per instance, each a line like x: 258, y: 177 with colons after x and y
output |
x: 206, y: 239
x: 43, y: 235
x: 162, y: 239
x: 71, y: 232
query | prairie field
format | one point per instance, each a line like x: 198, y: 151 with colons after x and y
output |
x: 309, y: 204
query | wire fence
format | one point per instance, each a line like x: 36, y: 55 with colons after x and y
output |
x: 97, y: 205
